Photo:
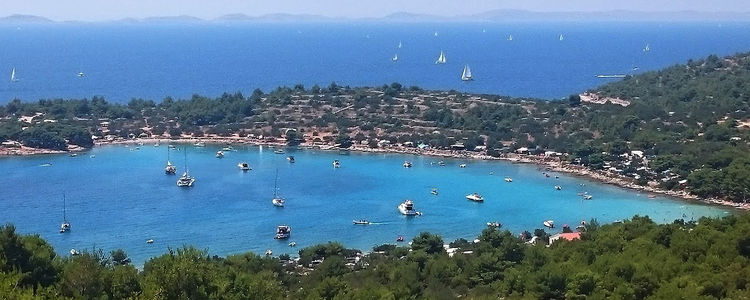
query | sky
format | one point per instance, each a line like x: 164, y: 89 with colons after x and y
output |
x: 98, y: 10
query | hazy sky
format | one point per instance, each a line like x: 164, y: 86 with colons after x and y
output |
x: 115, y: 9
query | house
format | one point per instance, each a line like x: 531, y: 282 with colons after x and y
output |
x: 566, y: 236
x: 522, y: 150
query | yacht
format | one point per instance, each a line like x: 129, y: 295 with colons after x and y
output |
x: 361, y: 222
x: 588, y: 197
x: 277, y: 200
x: 219, y: 154
x: 434, y: 191
x: 494, y: 224
x: 290, y: 159
x: 441, y: 59
x: 65, y: 226
x: 149, y: 241
x: 185, y: 180
x: 407, y: 208
x: 549, y: 224
x: 508, y: 179
x: 336, y: 164
x: 407, y: 164
x: 283, y: 232
x: 475, y: 197
x: 244, y: 166
x: 466, y: 74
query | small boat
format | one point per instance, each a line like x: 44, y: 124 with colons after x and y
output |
x: 361, y: 222
x: 74, y: 252
x: 557, y: 187
x: 149, y: 241
x: 65, y: 226
x: 92, y: 156
x: 510, y: 37
x: 399, y: 44
x: 277, y: 200
x: 436, y: 33
x: 647, y: 48
x: 588, y: 197
x: 434, y: 191
x: 508, y: 179
x: 494, y: 224
x: 407, y: 164
x: 651, y: 196
x: 269, y: 252
x: 80, y: 74
x: 172, y: 147
x: 407, y: 208
x: 462, y: 166
x: 293, y: 244
x: 561, y: 37
x: 283, y: 232
x: 441, y: 59
x: 278, y: 151
x: 549, y: 224
x: 400, y: 239
x: 219, y: 154
x: 395, y: 57
x: 635, y: 68
x: 244, y: 166
x: 466, y: 74
x: 441, y: 163
x: 170, y: 169
x: 336, y: 164
x: 227, y: 148
x: 290, y: 159
x: 73, y: 154
x: 157, y: 145
x: 611, y: 76
x: 200, y: 144
x: 475, y: 197
x: 46, y: 165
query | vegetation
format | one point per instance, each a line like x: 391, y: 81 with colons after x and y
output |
x: 638, y: 259
x: 684, y: 127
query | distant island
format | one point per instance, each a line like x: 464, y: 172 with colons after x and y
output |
x: 682, y: 131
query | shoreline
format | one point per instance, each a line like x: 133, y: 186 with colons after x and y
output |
x: 545, y: 164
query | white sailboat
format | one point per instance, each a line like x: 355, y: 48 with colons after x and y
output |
x: 395, y: 57
x: 399, y: 44
x: 510, y: 37
x: 441, y: 58
x: 185, y: 180
x: 466, y: 75
x: 170, y: 169
x: 436, y: 34
x: 647, y: 48
x: 13, y: 75
x: 277, y: 200
x: 65, y: 226
x: 562, y: 37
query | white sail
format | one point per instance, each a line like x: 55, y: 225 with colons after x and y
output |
x: 13, y: 75
x: 441, y: 59
x: 647, y: 48
x: 466, y: 75
x: 510, y: 37
x: 399, y: 44
x: 436, y: 34
x: 562, y: 37
x: 395, y: 57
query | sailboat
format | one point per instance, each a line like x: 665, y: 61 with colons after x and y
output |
x: 562, y: 37
x: 466, y: 75
x: 647, y: 48
x: 13, y: 75
x: 185, y: 180
x: 441, y: 58
x: 277, y: 201
x: 399, y: 44
x: 436, y: 34
x: 510, y: 37
x: 170, y: 169
x: 395, y: 57
x: 65, y: 226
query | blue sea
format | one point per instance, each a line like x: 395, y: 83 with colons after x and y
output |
x: 124, y: 61
x: 121, y: 197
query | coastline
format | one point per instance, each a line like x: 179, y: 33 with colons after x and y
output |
x: 545, y: 164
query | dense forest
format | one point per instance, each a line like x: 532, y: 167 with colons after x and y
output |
x: 688, y: 124
x: 637, y: 259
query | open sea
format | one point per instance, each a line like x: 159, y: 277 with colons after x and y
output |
x: 124, y: 61
x: 121, y: 197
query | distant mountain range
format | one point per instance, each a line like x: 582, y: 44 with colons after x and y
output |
x: 502, y: 15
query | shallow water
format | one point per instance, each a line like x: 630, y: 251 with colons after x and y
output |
x: 121, y: 197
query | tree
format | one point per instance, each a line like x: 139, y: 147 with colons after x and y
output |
x: 429, y: 243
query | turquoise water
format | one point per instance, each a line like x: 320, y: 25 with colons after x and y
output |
x: 121, y: 197
x: 153, y: 61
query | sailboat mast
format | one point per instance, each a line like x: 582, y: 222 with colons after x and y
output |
x: 65, y: 216
x: 276, y: 184
x: 186, y: 166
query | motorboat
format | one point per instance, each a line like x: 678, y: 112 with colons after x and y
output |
x: 200, y: 144
x: 400, y: 239
x: 588, y: 197
x: 441, y: 163
x: 407, y: 208
x: 549, y: 224
x: 227, y: 148
x: 557, y: 187
x: 219, y: 154
x: 462, y: 166
x: 74, y: 252
x: 407, y: 164
x: 336, y: 164
x: 494, y: 224
x: 278, y: 202
x: 149, y: 241
x: 290, y: 159
x: 475, y: 197
x: 293, y: 244
x: 279, y: 151
x: 283, y: 232
x: 434, y: 191
x: 361, y: 222
x: 244, y: 166
x: 269, y: 252
x: 508, y: 179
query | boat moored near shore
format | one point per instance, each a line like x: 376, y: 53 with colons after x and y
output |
x: 407, y: 208
x: 476, y: 197
x: 283, y: 232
